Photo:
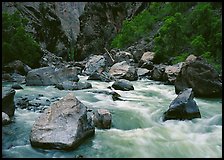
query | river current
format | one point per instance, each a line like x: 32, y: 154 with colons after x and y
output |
x: 137, y: 127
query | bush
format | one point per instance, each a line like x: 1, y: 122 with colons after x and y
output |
x: 17, y: 43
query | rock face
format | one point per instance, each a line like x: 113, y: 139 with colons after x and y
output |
x: 123, y: 70
x: 100, y: 22
x: 53, y: 24
x: 123, y: 85
x: 200, y: 76
x: 102, y: 119
x: 68, y: 85
x: 50, y: 76
x: 8, y: 105
x: 183, y: 107
x: 5, y: 119
x: 64, y: 125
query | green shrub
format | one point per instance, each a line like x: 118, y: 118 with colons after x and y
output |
x: 17, y: 43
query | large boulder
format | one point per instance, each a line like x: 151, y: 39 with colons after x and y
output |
x: 64, y: 125
x: 16, y: 86
x: 69, y: 85
x: 8, y: 105
x: 95, y: 63
x: 102, y: 119
x: 50, y: 76
x: 147, y: 56
x: 123, y: 70
x: 183, y: 107
x: 13, y: 77
x: 123, y: 56
x: 200, y: 76
x: 157, y: 72
x: 122, y: 84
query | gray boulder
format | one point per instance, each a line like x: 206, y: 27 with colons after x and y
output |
x: 200, y: 76
x: 16, y: 86
x: 50, y: 76
x: 68, y: 85
x: 147, y: 56
x: 8, y: 105
x: 123, y: 70
x: 158, y: 71
x: 123, y: 85
x: 95, y: 63
x: 103, y: 76
x: 183, y: 107
x: 5, y: 119
x: 171, y: 73
x: 17, y: 67
x: 123, y: 56
x: 102, y: 119
x: 64, y: 125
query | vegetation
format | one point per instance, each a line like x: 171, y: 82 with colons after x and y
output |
x: 17, y: 43
x: 188, y: 28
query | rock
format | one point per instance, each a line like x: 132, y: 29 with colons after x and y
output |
x: 13, y: 77
x: 143, y: 72
x: 148, y: 65
x: 183, y: 107
x: 17, y: 67
x: 16, y: 86
x: 147, y: 56
x: 102, y: 119
x: 68, y: 85
x: 50, y: 76
x: 95, y: 63
x: 103, y: 76
x: 200, y: 76
x: 115, y: 95
x: 64, y: 125
x: 171, y: 73
x: 8, y: 105
x: 123, y: 56
x: 50, y: 59
x: 123, y: 85
x: 5, y: 119
x: 157, y: 72
x: 123, y: 70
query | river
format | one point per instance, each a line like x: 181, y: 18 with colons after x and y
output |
x: 137, y: 127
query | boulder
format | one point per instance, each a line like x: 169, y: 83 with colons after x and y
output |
x: 123, y: 70
x: 158, y: 71
x: 16, y: 86
x: 123, y: 85
x: 64, y: 125
x: 17, y: 67
x: 8, y: 105
x: 50, y: 76
x: 13, y: 77
x: 148, y: 65
x: 197, y: 74
x: 115, y: 95
x: 50, y: 59
x: 171, y: 73
x: 143, y: 72
x: 68, y: 85
x: 183, y: 107
x: 147, y: 56
x: 95, y: 63
x: 102, y: 119
x: 123, y: 56
x: 103, y: 76
x: 5, y: 119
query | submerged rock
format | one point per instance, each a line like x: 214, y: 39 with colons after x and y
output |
x: 16, y: 86
x: 183, y: 107
x: 123, y: 85
x: 64, y: 125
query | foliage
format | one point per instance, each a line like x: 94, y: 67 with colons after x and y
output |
x: 187, y: 28
x: 17, y: 43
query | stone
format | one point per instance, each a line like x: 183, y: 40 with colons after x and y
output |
x: 8, y: 105
x: 123, y: 85
x: 123, y: 70
x: 5, y: 119
x: 68, y: 85
x: 102, y: 119
x: 16, y: 86
x: 183, y: 107
x: 64, y: 125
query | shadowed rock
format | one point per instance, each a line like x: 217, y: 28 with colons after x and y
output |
x: 183, y: 107
x: 8, y: 105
